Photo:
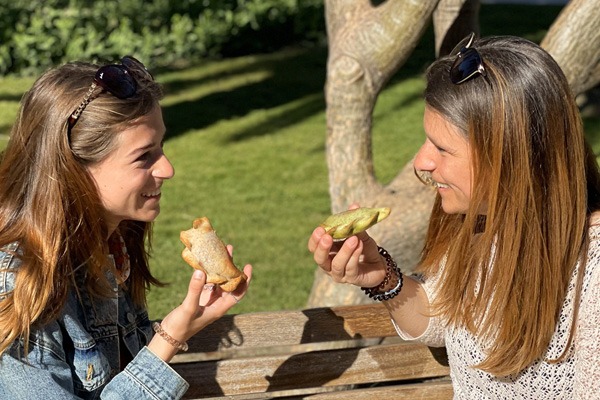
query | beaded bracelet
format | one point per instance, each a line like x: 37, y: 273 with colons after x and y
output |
x: 175, y: 343
x: 391, y: 266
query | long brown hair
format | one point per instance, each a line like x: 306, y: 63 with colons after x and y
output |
x: 504, y: 276
x: 49, y: 203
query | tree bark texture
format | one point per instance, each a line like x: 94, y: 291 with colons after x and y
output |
x: 367, y: 44
x: 452, y: 21
x: 574, y: 42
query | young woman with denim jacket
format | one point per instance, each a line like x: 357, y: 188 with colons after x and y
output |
x: 80, y: 184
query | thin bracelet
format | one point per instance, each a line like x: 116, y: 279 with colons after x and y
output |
x: 391, y: 266
x: 175, y: 343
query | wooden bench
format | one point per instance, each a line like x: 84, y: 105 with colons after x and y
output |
x: 347, y: 352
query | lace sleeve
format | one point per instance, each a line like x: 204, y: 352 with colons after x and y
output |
x: 587, y: 357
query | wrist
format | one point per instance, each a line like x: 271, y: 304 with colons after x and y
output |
x: 179, y: 345
x: 392, y: 282
x: 162, y: 349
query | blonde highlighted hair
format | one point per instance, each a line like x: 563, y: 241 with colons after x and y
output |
x: 504, y: 276
x: 49, y: 203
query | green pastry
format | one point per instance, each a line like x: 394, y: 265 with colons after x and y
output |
x: 347, y: 223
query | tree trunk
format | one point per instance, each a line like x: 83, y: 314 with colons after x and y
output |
x: 367, y: 44
x: 574, y: 42
x: 452, y: 21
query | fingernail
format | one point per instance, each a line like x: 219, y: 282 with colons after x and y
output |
x: 209, y: 287
x: 197, y: 274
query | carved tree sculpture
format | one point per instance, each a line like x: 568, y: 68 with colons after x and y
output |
x: 367, y: 44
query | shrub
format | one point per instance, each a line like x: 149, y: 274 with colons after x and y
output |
x: 43, y: 33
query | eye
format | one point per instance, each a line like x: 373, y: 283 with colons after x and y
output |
x: 436, y: 146
x: 144, y: 157
x: 442, y: 149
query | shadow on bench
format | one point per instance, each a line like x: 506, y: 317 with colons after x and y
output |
x: 346, y: 352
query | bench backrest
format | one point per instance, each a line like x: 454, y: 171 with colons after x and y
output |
x: 295, y: 353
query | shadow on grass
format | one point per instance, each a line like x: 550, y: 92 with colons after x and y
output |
x: 297, y: 76
x: 11, y: 97
x: 300, y: 76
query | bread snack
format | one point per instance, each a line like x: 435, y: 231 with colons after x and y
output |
x: 351, y: 222
x: 205, y: 251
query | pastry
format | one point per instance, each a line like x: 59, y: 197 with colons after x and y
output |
x: 348, y: 223
x: 204, y: 250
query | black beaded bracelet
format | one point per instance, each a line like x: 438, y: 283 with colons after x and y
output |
x: 375, y: 292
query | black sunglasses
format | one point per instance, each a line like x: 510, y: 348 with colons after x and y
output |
x: 468, y: 63
x: 117, y: 79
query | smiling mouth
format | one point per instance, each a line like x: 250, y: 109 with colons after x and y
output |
x: 425, y: 178
x: 151, y: 194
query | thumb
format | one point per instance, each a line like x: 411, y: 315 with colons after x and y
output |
x: 353, y: 206
x: 195, y: 289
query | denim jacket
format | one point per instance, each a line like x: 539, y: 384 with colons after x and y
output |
x: 77, y: 355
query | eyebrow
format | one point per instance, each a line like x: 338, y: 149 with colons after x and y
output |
x: 434, y: 142
x: 147, y: 147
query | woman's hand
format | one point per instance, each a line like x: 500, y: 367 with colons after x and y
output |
x: 203, y: 304
x: 356, y: 260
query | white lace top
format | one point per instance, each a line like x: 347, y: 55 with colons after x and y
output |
x: 576, y: 377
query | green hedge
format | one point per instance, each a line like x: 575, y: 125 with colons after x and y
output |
x: 36, y: 34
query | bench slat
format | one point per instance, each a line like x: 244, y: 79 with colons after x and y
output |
x: 438, y: 390
x: 265, y: 329
x: 382, y: 363
x: 430, y: 390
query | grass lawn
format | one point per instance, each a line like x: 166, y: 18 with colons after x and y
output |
x: 247, y: 137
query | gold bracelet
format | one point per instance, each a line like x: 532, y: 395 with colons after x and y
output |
x: 175, y: 343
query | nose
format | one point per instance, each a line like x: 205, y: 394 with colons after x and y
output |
x: 163, y: 168
x: 424, y: 159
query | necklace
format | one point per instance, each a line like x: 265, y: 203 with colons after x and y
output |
x: 117, y: 248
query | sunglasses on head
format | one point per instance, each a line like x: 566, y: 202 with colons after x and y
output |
x: 117, y: 79
x: 468, y: 63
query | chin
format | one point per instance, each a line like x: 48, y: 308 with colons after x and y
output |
x: 148, y: 217
x: 454, y: 209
